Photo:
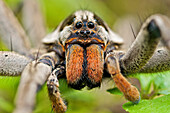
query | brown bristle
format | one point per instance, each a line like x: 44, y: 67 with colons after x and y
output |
x: 95, y: 63
x: 74, y: 62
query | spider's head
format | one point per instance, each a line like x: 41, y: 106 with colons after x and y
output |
x: 84, y: 30
x: 85, y: 27
x: 84, y: 38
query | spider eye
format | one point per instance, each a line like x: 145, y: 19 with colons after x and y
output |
x: 79, y: 25
x: 90, y: 25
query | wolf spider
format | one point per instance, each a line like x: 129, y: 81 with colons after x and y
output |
x: 83, y: 49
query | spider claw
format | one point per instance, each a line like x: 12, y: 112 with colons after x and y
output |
x: 136, y: 101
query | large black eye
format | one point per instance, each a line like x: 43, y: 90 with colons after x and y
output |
x: 90, y: 25
x: 79, y: 25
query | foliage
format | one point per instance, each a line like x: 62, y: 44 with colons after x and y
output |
x: 158, y: 105
x: 8, y: 87
x: 152, y: 85
x: 115, y: 91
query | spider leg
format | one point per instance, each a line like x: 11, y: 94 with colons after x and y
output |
x: 159, y: 62
x: 145, y: 44
x: 164, y: 26
x: 130, y: 92
x: 58, y: 104
x: 33, y: 77
x: 11, y: 31
x: 12, y: 63
x: 33, y: 21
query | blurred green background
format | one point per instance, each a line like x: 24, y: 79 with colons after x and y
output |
x: 109, y: 10
x: 86, y: 101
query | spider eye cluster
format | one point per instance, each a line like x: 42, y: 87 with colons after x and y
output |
x: 89, y: 24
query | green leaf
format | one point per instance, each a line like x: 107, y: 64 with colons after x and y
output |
x: 158, y: 105
x: 161, y: 84
x: 115, y: 91
x: 5, y: 105
x: 153, y: 84
x: 145, y: 82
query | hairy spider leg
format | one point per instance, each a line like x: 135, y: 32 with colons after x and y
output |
x: 130, y: 92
